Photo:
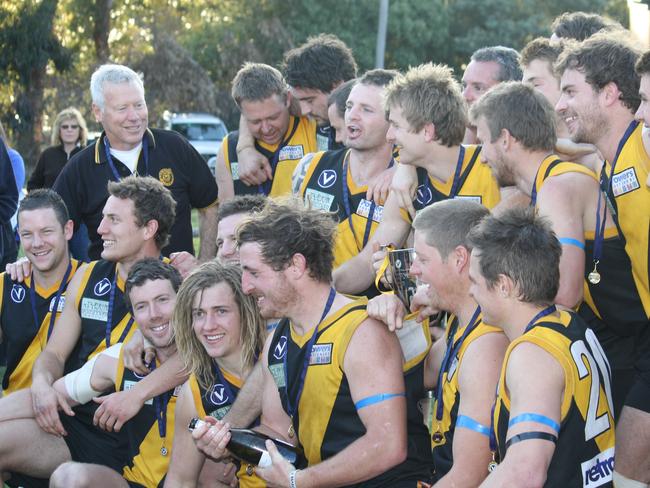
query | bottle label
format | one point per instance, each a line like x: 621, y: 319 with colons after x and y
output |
x: 265, y: 460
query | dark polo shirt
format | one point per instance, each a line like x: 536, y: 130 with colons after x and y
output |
x: 83, y: 184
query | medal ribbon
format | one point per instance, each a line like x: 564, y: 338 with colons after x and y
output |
x: 160, y: 403
x: 57, y: 298
x: 450, y: 353
x: 145, y: 157
x: 109, y: 315
x: 305, y: 364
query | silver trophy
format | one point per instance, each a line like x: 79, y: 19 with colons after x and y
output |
x: 404, y: 285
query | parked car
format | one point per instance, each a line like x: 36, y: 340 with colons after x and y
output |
x: 204, y: 131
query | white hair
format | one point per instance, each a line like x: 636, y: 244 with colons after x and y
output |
x: 111, y: 73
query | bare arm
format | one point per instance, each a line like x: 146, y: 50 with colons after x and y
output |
x: 223, y: 176
x: 187, y: 460
x: 116, y: 409
x: 404, y: 185
x: 563, y: 200
x: 535, y: 381
x: 254, y: 168
x: 477, y: 380
x: 357, y: 274
x: 208, y: 233
x: 372, y: 366
x: 48, y: 367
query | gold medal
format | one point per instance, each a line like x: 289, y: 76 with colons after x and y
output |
x: 492, y: 465
x: 163, y: 450
x: 594, y: 277
x: 437, y: 436
x: 250, y: 470
x: 291, y: 432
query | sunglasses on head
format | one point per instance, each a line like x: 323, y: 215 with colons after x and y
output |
x: 72, y: 126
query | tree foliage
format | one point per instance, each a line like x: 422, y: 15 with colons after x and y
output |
x: 189, y: 50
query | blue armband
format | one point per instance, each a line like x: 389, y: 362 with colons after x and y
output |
x: 534, y: 417
x: 371, y: 400
x: 471, y: 424
x: 572, y: 242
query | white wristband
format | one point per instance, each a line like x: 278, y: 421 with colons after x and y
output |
x: 292, y: 478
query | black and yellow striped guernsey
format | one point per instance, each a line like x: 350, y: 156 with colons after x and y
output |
x: 323, y: 188
x: 93, y: 306
x: 327, y: 420
x: 22, y: 338
x: 299, y: 141
x: 584, y: 453
x: 443, y: 458
x: 216, y: 402
x: 147, y: 466
x: 475, y: 181
x: 616, y: 300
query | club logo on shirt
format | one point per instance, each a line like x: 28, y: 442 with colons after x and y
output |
x: 327, y: 178
x: 280, y: 348
x: 624, y: 182
x: 218, y: 395
x: 18, y: 293
x: 166, y: 176
x: 102, y: 287
x: 599, y: 470
x: 60, y: 305
x: 424, y: 195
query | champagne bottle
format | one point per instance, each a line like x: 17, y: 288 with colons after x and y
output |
x: 249, y: 447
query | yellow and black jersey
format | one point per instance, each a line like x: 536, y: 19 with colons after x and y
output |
x: 327, y: 420
x: 615, y: 300
x: 472, y: 180
x: 216, y: 402
x: 150, y: 433
x: 299, y: 141
x: 100, y: 298
x: 584, y: 453
x: 26, y: 326
x: 326, y: 187
x: 443, y: 430
x: 629, y: 200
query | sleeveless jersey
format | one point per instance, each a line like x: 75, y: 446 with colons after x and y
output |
x: 299, y: 141
x: 475, y: 182
x: 147, y: 465
x: 584, y: 453
x: 22, y: 338
x: 629, y: 200
x: 615, y: 300
x: 216, y: 403
x: 327, y: 419
x: 323, y: 189
x: 93, y: 303
x: 442, y: 451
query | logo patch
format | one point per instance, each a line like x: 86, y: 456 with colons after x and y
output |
x: 234, y: 170
x: 18, y: 293
x: 624, y: 182
x: 364, y: 210
x: 318, y: 199
x: 277, y: 371
x: 476, y: 199
x: 323, y: 142
x: 102, y: 287
x: 130, y: 384
x: 291, y: 152
x: 321, y: 354
x: 166, y: 176
x: 59, y: 309
x: 94, y: 309
x: 327, y: 178
x: 280, y: 348
x: 220, y: 413
x: 218, y: 395
x: 424, y: 195
x: 599, y: 469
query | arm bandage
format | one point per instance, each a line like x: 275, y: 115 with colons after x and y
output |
x: 77, y: 383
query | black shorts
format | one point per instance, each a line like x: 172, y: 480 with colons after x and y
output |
x: 90, y: 444
x: 639, y: 395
